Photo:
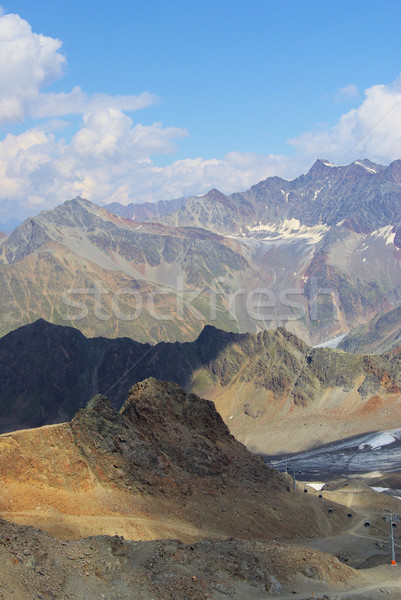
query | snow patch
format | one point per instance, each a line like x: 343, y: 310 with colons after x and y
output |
x: 317, y: 192
x: 387, y: 233
x: 316, y: 485
x: 360, y: 164
x: 332, y: 343
x: 291, y: 229
x: 378, y: 441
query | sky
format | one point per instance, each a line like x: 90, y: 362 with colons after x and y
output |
x: 141, y: 101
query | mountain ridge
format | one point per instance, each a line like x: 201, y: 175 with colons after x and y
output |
x: 274, y: 199
x: 257, y: 381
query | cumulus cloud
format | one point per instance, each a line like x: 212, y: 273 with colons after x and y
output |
x: 29, y: 62
x: 372, y: 130
x: 110, y: 159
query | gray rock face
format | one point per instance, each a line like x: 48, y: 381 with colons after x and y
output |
x: 273, y: 586
x: 363, y: 195
x: 27, y: 238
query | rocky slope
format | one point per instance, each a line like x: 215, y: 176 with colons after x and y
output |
x: 364, y: 195
x: 264, y: 385
x: 335, y: 229
x: 380, y: 334
x: 319, y: 255
x: 164, y: 466
x: 81, y: 264
x: 35, y: 565
x: 151, y: 211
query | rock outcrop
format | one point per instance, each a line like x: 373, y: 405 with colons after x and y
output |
x: 166, y: 465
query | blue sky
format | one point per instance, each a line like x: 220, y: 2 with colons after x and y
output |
x: 238, y: 91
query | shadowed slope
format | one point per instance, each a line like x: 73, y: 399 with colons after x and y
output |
x: 263, y: 385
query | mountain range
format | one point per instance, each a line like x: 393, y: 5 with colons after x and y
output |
x: 275, y: 393
x: 319, y: 255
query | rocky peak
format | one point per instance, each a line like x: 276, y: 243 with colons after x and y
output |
x: 215, y: 194
x: 320, y: 167
x: 153, y: 403
x: 25, y: 239
x: 211, y: 340
x: 99, y: 408
x: 161, y: 435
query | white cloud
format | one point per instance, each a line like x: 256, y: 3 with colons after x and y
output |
x: 372, y: 130
x: 110, y: 159
x: 29, y: 62
x: 47, y: 105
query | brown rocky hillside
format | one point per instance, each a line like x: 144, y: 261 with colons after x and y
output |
x: 164, y: 466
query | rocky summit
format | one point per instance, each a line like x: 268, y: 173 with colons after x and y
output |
x: 159, y: 500
x: 164, y: 465
x: 163, y: 436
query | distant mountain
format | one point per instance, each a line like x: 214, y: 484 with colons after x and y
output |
x: 362, y: 196
x: 166, y: 276
x: 147, y: 210
x: 319, y: 255
x: 258, y: 382
x: 9, y: 225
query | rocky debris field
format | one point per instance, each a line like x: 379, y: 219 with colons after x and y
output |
x: 34, y: 565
